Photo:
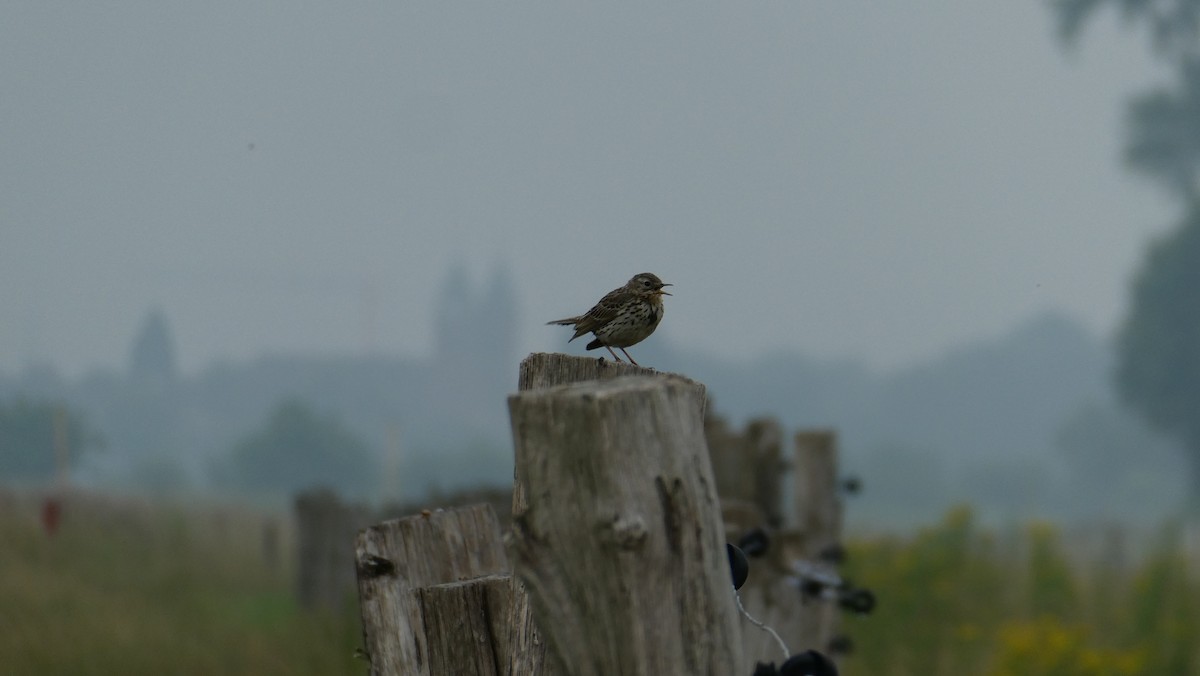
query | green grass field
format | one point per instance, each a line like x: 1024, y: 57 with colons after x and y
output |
x: 140, y: 589
x: 127, y: 588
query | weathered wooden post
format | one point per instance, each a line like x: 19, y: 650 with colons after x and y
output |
x: 546, y: 369
x: 481, y: 626
x: 618, y: 538
x: 750, y: 476
x: 819, y: 508
x: 749, y: 468
x: 819, y: 518
x: 542, y: 369
x: 412, y: 622
x: 764, y: 443
x: 617, y: 544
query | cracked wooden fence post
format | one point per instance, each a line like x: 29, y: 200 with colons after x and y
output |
x: 397, y: 558
x: 480, y: 627
x: 620, y: 543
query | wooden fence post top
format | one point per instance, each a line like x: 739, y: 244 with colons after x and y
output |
x: 614, y: 385
x: 548, y: 369
x: 620, y: 543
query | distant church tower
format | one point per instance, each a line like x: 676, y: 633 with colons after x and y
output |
x: 152, y: 358
x: 500, y: 309
x: 475, y: 356
x: 477, y: 327
x: 453, y: 318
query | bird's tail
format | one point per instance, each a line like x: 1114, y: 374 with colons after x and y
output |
x: 569, y: 321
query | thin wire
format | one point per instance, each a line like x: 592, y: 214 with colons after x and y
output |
x: 782, y: 646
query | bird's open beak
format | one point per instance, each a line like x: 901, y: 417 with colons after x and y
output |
x: 660, y: 289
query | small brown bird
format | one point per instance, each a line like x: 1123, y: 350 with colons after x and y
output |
x: 624, y: 317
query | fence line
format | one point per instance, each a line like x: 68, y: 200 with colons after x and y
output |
x: 619, y: 524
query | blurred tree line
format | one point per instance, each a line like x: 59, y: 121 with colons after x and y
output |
x: 299, y: 448
x: 296, y: 448
x: 1158, y: 360
x: 362, y: 424
x: 35, y: 436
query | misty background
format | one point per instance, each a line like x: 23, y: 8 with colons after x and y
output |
x: 220, y: 223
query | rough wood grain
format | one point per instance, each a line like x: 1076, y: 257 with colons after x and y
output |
x: 480, y: 627
x: 551, y: 369
x: 396, y: 558
x: 621, y: 545
x: 459, y: 630
x: 527, y: 654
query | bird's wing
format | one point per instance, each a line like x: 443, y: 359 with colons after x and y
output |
x: 603, y: 312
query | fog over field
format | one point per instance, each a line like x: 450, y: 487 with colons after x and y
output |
x: 910, y: 222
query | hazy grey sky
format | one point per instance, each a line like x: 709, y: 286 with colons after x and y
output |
x: 878, y: 180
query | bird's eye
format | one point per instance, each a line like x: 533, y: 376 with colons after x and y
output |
x: 646, y: 283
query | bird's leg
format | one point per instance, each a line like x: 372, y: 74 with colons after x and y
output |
x: 631, y: 361
x: 614, y: 354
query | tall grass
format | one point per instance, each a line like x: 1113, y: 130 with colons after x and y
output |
x: 150, y: 589
x: 128, y: 589
x: 958, y: 599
